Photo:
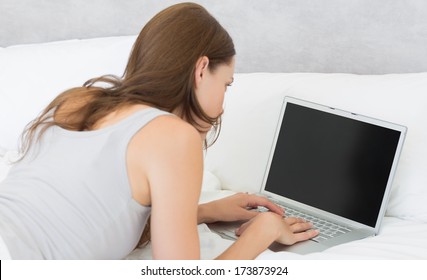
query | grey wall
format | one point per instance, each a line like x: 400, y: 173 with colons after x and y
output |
x: 353, y: 36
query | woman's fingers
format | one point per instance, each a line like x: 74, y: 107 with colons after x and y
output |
x: 298, y: 224
x: 253, y: 201
x: 292, y: 220
x: 300, y: 229
x: 305, y: 235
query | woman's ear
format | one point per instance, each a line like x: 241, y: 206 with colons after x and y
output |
x: 201, y: 68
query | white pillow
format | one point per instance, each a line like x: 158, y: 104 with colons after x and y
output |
x: 32, y: 75
x: 252, y: 107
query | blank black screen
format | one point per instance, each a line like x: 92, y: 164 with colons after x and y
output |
x: 331, y: 162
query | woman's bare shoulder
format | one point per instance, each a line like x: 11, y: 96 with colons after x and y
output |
x: 167, y: 134
x: 170, y: 127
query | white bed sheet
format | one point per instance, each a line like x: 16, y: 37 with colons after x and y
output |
x: 398, y: 240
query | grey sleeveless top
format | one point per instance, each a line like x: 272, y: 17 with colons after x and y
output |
x: 70, y: 197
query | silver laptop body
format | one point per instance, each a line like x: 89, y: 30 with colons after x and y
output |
x: 331, y: 167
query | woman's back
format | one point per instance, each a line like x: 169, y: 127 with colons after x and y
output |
x: 70, y: 197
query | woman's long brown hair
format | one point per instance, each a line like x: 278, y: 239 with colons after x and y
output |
x: 160, y: 73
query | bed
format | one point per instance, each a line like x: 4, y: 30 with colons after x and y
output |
x: 366, y: 57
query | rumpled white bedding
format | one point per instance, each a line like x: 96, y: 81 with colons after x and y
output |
x: 398, y: 239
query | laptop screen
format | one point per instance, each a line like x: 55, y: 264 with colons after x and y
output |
x: 331, y: 162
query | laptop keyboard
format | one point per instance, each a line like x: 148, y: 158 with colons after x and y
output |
x: 327, y: 229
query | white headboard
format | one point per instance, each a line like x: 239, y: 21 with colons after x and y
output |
x: 348, y: 36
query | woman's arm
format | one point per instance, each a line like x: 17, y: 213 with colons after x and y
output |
x: 234, y: 208
x: 173, y: 165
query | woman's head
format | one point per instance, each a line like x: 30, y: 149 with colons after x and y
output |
x: 177, y: 64
x: 162, y: 68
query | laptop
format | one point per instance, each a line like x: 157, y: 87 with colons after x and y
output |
x: 331, y: 167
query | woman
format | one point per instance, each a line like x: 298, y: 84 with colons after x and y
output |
x: 100, y: 159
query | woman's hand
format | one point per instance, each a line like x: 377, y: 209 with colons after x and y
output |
x: 289, y: 230
x: 257, y: 234
x: 235, y: 208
